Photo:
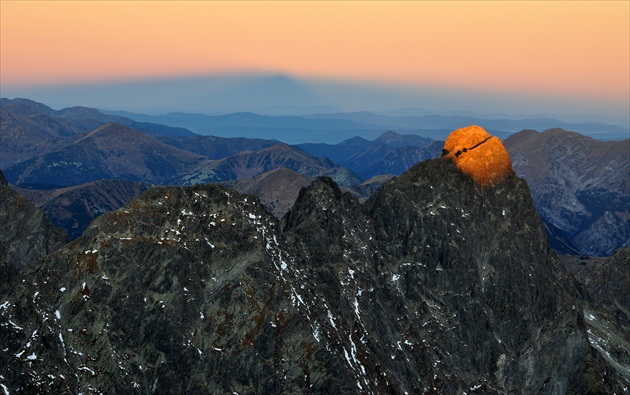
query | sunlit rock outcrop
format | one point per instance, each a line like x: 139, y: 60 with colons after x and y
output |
x: 478, y: 154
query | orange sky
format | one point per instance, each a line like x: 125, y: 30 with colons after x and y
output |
x: 576, y: 48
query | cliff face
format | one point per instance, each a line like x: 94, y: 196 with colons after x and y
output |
x: 478, y: 259
x: 608, y: 309
x: 435, y: 285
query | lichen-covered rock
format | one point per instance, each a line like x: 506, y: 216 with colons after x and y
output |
x: 480, y: 155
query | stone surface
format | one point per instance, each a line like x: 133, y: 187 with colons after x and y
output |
x: 478, y: 154
x: 607, y: 311
x: 434, y: 285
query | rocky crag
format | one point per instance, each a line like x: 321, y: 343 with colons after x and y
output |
x: 434, y: 285
x: 608, y: 307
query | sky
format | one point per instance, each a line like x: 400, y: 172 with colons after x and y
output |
x: 568, y: 56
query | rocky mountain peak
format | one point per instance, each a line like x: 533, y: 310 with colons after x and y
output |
x: 480, y: 155
x: 422, y: 289
x: 322, y: 219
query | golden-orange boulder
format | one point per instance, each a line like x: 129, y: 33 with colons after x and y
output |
x: 480, y: 155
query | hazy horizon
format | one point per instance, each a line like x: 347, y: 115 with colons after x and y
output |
x: 567, y: 58
x: 275, y: 94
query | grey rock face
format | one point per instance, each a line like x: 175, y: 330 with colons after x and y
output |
x: 433, y: 286
x: 607, y: 312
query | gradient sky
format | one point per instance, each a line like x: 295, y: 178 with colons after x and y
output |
x: 575, y: 49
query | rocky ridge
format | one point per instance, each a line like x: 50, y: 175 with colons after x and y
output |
x: 579, y: 184
x: 420, y: 290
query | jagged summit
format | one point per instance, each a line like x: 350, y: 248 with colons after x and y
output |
x: 480, y: 155
x: 422, y: 289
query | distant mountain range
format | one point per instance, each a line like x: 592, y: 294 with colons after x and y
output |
x: 30, y: 129
x: 332, y: 128
x: 108, y: 152
x: 390, y: 153
x: 579, y: 184
x: 281, y: 94
x: 254, y: 163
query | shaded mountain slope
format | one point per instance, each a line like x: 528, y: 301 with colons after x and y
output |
x: 579, y: 185
x: 109, y: 152
x: 218, y: 147
x: 73, y: 208
x: 276, y: 189
x: 250, y: 164
x: 199, y: 295
x: 450, y: 284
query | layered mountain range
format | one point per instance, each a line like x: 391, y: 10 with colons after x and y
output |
x: 579, y: 185
x: 435, y: 284
x: 68, y: 154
